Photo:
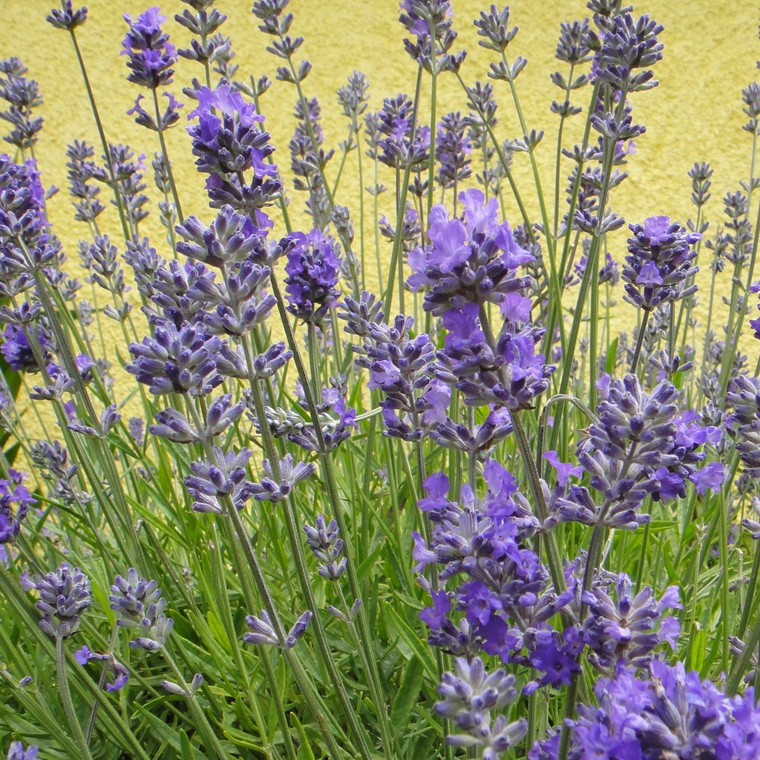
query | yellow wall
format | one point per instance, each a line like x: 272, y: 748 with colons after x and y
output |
x: 695, y: 115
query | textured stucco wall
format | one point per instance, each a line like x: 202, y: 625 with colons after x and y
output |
x: 695, y: 115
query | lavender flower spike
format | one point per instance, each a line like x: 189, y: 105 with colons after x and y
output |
x: 264, y: 633
x: 17, y: 752
x: 64, y: 596
x: 325, y: 542
x: 229, y: 141
x: 139, y: 605
x: 66, y: 17
x: 290, y: 475
x: 468, y: 698
x: 151, y: 55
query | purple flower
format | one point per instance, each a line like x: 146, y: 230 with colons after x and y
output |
x: 452, y: 149
x: 165, y: 120
x: 710, y: 476
x: 23, y: 219
x: 229, y: 141
x: 222, y: 477
x: 18, y: 352
x: 16, y: 751
x: 66, y: 17
x: 140, y: 607
x: 468, y: 697
x: 23, y: 96
x: 512, y: 375
x: 64, y: 594
x: 15, y: 501
x: 177, y: 360
x: 564, y: 470
x: 290, y: 475
x: 472, y: 260
x: 326, y: 544
x: 263, y: 631
x: 313, y: 270
x: 627, y: 629
x: 398, y: 146
x: 118, y: 671
x: 660, y: 260
x: 232, y: 238
x: 151, y: 55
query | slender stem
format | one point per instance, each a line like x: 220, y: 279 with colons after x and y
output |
x: 165, y: 152
x: 65, y: 693
x: 201, y: 721
x: 639, y: 342
x: 101, y: 132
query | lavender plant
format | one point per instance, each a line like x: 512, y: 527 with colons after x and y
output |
x: 283, y: 516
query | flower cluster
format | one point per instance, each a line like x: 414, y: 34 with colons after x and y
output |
x: 659, y: 263
x: 64, y: 594
x: 228, y: 141
x: 313, y: 270
x: 140, y: 607
x: 151, y: 55
x: 15, y: 501
x: 668, y: 713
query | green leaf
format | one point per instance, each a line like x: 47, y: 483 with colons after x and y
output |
x: 305, y: 748
x: 407, y: 696
x: 609, y: 362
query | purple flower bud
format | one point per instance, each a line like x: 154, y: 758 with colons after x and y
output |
x: 64, y: 594
x: 326, y: 545
x: 313, y: 269
x: 151, y: 55
x: 222, y: 477
x: 16, y: 751
x: 67, y: 18
x: 139, y: 606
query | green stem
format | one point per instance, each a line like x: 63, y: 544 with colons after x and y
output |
x: 65, y: 693
x: 165, y: 153
x: 101, y: 132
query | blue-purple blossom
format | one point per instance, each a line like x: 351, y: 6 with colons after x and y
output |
x: 23, y: 223
x: 468, y: 697
x: 452, y: 149
x: 17, y: 350
x: 669, y: 713
x: 81, y: 170
x: 16, y: 751
x: 118, y: 671
x: 634, y: 449
x: 263, y: 632
x: 626, y: 629
x: 660, y: 261
x: 313, y: 270
x: 139, y: 607
x: 509, y: 373
x: 222, y: 477
x: 176, y: 360
x: 151, y: 55
x: 15, y: 501
x: 165, y: 120
x: 67, y: 17
x: 470, y: 260
x: 232, y: 238
x: 228, y: 141
x: 399, y: 366
x: 327, y: 546
x: 64, y: 594
x: 429, y: 22
x: 276, y: 488
x: 23, y: 96
x: 397, y: 145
